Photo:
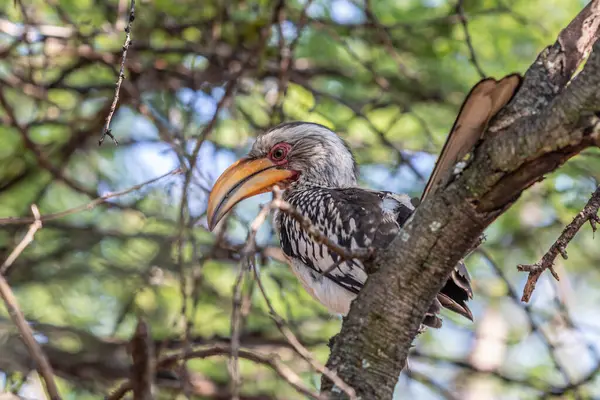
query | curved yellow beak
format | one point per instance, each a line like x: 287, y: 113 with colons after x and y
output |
x: 245, y: 178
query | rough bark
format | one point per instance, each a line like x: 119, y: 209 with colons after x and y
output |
x: 547, y: 123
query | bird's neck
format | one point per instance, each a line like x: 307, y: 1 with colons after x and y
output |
x: 326, y: 178
x: 318, y: 184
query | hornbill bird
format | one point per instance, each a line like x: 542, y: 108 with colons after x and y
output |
x: 317, y: 171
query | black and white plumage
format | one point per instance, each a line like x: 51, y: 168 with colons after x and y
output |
x: 318, y: 172
x: 354, y: 218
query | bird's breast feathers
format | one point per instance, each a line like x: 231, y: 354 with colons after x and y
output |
x: 354, y: 219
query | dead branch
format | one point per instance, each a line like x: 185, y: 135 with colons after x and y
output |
x: 272, y: 361
x: 248, y: 252
x: 113, y: 107
x: 460, y: 12
x: 300, y: 349
x: 88, y: 206
x: 589, y: 213
x: 42, y: 364
x: 27, y: 239
x: 317, y: 235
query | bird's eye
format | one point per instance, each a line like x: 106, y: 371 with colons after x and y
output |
x: 278, y: 153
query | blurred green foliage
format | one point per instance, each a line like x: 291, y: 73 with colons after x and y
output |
x: 389, y: 81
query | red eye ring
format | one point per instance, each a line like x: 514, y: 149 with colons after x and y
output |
x: 279, y: 152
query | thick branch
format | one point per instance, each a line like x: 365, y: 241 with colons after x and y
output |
x: 528, y: 141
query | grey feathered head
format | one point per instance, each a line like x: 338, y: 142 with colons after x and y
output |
x: 319, y: 155
x: 291, y: 154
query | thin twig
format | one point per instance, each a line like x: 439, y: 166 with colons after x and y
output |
x: 286, y: 58
x: 384, y: 85
x: 107, y: 131
x: 229, y: 91
x: 34, y: 349
x: 236, y: 313
x: 183, y: 205
x: 33, y: 228
x: 433, y: 385
x: 317, y: 235
x: 88, y: 206
x: 236, y: 319
x: 463, y: 21
x: 534, y: 324
x: 248, y: 253
x: 589, y: 213
x: 298, y: 347
x: 272, y: 361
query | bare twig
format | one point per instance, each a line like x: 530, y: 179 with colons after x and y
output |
x: 183, y: 206
x: 465, y: 24
x: 286, y: 57
x: 107, y: 131
x: 308, y: 226
x: 317, y: 235
x: 589, y: 213
x: 300, y: 349
x: 248, y: 252
x: 229, y: 91
x: 534, y: 324
x: 236, y: 321
x: 42, y: 364
x: 272, y: 361
x: 88, y: 206
x: 237, y: 310
x: 37, y: 224
x: 428, y: 381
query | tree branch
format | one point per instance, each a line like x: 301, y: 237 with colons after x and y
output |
x: 589, y: 213
x: 85, y: 207
x: 34, y: 349
x: 106, y: 131
x: 142, y: 368
x: 550, y: 124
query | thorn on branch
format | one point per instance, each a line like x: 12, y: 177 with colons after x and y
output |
x: 563, y: 252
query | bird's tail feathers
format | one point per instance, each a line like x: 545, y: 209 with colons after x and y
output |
x: 459, y: 307
x: 432, y: 319
x: 453, y: 296
x: 484, y: 101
